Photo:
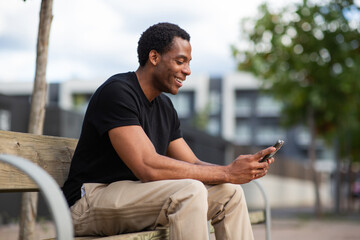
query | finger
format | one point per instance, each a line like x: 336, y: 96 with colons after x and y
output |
x: 260, y: 174
x: 261, y: 165
x: 271, y: 160
x: 264, y: 152
x: 263, y: 172
x: 268, y: 162
x: 267, y: 167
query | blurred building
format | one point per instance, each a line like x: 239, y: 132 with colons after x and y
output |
x: 231, y: 107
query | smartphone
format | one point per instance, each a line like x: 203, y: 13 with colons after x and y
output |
x: 277, y: 145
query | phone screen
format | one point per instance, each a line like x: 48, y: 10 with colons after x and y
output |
x: 277, y: 145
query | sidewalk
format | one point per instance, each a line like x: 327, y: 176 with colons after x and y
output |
x: 295, y: 229
x: 300, y: 224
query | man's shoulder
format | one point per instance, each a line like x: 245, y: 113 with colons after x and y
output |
x: 121, y: 78
x: 117, y: 82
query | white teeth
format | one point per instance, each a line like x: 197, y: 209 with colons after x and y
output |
x: 179, y: 80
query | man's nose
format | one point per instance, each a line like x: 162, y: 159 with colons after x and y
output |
x: 187, y: 69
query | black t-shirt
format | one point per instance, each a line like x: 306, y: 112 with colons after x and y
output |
x: 119, y: 101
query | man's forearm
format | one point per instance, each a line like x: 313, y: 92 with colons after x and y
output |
x: 169, y: 168
x: 199, y: 162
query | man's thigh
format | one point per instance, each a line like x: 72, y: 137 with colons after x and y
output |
x: 123, y: 206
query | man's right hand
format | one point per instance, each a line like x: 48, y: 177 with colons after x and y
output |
x: 246, y: 168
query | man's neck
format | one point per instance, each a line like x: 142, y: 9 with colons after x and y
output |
x: 144, y: 77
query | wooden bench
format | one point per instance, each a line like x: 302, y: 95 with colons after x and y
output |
x: 23, y: 157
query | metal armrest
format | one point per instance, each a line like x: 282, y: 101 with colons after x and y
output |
x: 267, y: 210
x: 51, y: 192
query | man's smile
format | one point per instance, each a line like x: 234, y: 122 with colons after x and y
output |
x: 179, y: 81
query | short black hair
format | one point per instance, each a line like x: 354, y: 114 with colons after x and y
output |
x: 158, y: 37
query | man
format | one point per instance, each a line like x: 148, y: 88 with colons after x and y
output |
x: 132, y: 170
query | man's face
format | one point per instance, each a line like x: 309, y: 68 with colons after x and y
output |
x: 173, y: 67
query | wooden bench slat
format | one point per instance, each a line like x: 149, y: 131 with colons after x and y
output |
x: 53, y: 154
x: 158, y: 234
x: 257, y: 217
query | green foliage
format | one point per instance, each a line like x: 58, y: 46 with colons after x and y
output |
x: 308, y: 55
x: 201, y: 118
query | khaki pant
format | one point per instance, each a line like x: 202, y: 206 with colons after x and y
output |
x: 183, y: 205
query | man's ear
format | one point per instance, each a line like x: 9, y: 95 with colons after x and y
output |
x: 154, y: 57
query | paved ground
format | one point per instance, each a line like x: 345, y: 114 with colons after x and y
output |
x: 285, y: 226
x: 300, y: 224
x: 311, y: 230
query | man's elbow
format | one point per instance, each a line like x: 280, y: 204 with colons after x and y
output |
x: 149, y: 175
x: 149, y: 170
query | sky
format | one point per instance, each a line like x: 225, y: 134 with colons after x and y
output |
x: 92, y: 39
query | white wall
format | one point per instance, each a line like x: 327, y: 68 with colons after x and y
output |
x: 232, y: 82
x: 286, y: 192
x: 68, y: 88
x: 16, y: 88
x: 200, y: 85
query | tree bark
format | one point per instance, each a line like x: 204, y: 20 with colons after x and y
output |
x: 37, y: 114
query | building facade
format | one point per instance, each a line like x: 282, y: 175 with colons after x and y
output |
x: 230, y: 107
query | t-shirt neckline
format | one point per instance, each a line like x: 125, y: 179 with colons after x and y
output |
x: 148, y: 103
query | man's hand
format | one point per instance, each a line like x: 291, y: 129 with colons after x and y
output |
x: 246, y: 168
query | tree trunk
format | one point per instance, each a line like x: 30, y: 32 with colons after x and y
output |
x: 312, y: 158
x: 37, y: 114
x: 337, y: 178
x: 349, y: 181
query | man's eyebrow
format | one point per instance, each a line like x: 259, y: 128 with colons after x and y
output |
x: 183, y: 57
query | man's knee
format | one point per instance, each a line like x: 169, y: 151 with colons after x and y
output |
x: 194, y: 188
x: 236, y: 190
x: 232, y: 188
x: 190, y: 198
x: 193, y: 195
x: 224, y: 192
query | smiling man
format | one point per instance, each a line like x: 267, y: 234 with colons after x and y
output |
x: 133, y: 171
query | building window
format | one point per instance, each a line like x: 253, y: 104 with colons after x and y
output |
x: 213, y: 126
x: 242, y: 106
x: 5, y: 120
x: 303, y: 136
x: 215, y: 102
x: 268, y: 134
x: 267, y: 106
x: 183, y: 103
x: 243, y: 132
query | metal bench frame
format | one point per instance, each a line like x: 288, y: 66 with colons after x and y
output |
x: 51, y: 192
x: 267, y: 209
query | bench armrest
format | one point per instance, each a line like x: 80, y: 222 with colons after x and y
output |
x: 267, y: 209
x: 51, y: 192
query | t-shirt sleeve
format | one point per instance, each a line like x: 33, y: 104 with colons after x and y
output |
x: 115, y: 106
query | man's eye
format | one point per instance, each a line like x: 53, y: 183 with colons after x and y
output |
x: 179, y: 62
